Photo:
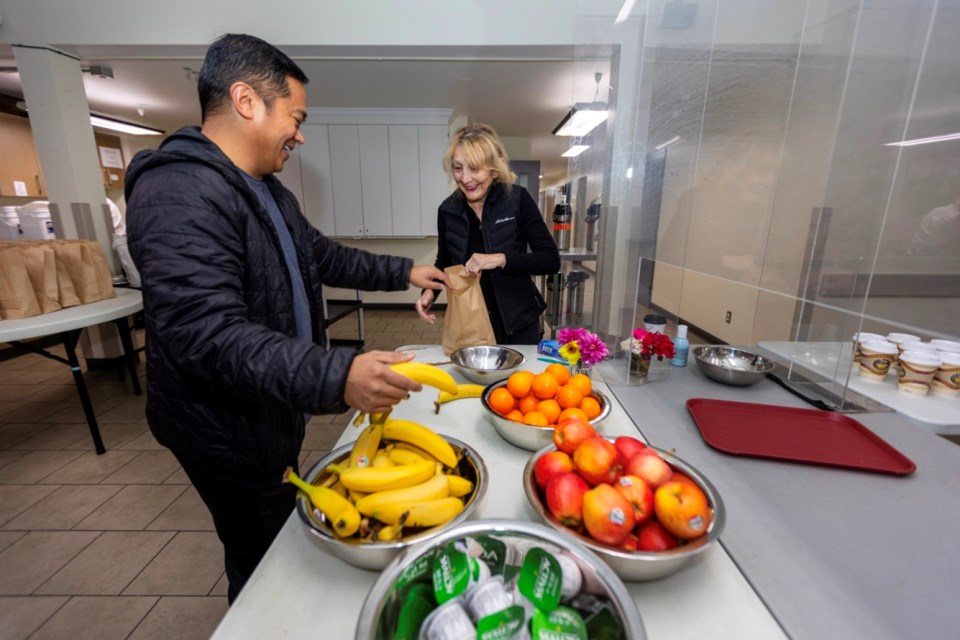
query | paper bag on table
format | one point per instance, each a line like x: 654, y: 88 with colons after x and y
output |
x: 41, y: 264
x: 92, y: 253
x: 17, y: 299
x: 465, y: 322
x: 86, y: 267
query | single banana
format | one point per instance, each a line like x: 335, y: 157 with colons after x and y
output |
x: 404, y: 456
x: 365, y: 448
x: 371, y: 480
x: 420, y: 436
x: 427, y: 374
x: 459, y: 486
x: 433, y: 489
x: 390, y: 532
x: 406, y: 446
x: 382, y: 459
x: 421, y: 514
x: 340, y: 512
x: 465, y: 390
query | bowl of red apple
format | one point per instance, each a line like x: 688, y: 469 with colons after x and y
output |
x: 643, y: 510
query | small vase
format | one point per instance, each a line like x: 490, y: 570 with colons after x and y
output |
x: 579, y: 368
x: 639, y: 365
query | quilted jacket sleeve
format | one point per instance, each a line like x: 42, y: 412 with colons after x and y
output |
x: 543, y: 258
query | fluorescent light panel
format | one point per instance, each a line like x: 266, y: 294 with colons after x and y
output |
x: 666, y: 144
x: 123, y: 127
x: 624, y: 11
x: 580, y: 122
x: 574, y: 151
x: 916, y: 141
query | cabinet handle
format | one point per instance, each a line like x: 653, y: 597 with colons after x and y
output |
x: 36, y: 181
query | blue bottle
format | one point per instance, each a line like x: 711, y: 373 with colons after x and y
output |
x: 680, y: 347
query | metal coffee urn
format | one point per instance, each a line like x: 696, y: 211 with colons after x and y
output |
x: 562, y: 226
x: 575, y: 286
x: 591, y: 217
x: 555, y: 283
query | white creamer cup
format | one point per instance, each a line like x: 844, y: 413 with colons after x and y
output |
x: 916, y: 371
x: 946, y: 381
x: 900, y: 338
x: 946, y: 345
x: 876, y: 359
x: 860, y: 338
x: 926, y: 347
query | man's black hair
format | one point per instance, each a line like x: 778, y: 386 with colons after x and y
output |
x: 237, y: 57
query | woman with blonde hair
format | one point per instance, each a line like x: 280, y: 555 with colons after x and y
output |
x: 494, y: 228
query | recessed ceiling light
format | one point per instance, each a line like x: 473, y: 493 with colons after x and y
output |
x: 575, y: 150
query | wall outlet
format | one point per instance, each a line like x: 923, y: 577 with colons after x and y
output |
x: 728, y: 317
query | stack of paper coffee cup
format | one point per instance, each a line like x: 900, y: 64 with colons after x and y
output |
x: 877, y: 357
x: 916, y: 371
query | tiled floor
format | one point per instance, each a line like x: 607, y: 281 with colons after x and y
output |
x: 118, y: 545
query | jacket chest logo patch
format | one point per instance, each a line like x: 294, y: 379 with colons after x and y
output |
x: 499, y: 220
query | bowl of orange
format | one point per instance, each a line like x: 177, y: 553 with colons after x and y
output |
x: 527, y: 406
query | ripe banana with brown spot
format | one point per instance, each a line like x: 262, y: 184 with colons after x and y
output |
x: 427, y: 374
x: 400, y: 455
x: 459, y: 486
x: 422, y: 437
x: 343, y: 517
x: 436, y: 487
x: 466, y: 390
x: 429, y: 513
x: 371, y: 480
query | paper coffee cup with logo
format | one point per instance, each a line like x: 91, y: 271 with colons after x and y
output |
x: 946, y: 381
x: 860, y: 338
x: 946, y: 345
x: 916, y: 371
x: 900, y: 339
x: 877, y: 357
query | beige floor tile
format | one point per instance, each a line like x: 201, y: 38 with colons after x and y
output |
x: 35, y: 466
x: 183, y: 618
x: 12, y: 392
x: 55, y: 393
x: 129, y: 411
x: 17, y: 498
x: 40, y: 411
x: 63, y: 508
x: 144, y: 442
x: 222, y: 586
x: 189, y: 565
x: 9, y: 455
x: 114, y: 434
x: 7, y: 538
x: 311, y: 458
x: 150, y: 467
x: 12, y: 434
x: 96, y: 618
x: 20, y: 616
x: 32, y: 559
x: 178, y: 477
x: 108, y: 564
x: 186, y: 513
x: 322, y: 436
x: 91, y: 468
x: 59, y: 436
x: 132, y: 508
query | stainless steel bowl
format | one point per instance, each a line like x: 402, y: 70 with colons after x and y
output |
x: 388, y: 586
x: 487, y: 364
x: 732, y: 366
x: 528, y: 436
x: 637, y: 566
x: 377, y: 555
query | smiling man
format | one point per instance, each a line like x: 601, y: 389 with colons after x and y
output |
x: 232, y: 276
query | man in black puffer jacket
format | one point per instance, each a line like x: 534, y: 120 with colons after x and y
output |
x: 232, y: 277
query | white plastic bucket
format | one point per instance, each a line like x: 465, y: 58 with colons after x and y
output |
x: 9, y: 223
x: 35, y: 221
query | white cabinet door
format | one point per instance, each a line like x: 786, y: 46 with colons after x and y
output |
x: 375, y: 180
x: 405, y: 180
x: 347, y: 189
x: 290, y: 176
x: 433, y: 179
x: 317, y: 178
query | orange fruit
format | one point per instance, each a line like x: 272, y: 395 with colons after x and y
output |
x: 590, y: 407
x: 544, y: 386
x: 560, y: 372
x: 582, y: 381
x: 528, y: 404
x: 501, y: 401
x: 569, y: 396
x: 573, y: 412
x: 535, y: 418
x: 519, y: 383
x: 516, y: 415
x: 549, y: 408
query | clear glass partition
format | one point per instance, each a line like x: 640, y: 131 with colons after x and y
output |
x: 778, y: 174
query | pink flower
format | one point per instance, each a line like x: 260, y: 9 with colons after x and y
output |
x: 592, y: 350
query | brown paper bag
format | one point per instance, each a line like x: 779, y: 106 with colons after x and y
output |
x: 87, y: 269
x: 93, y: 254
x: 67, y: 293
x: 465, y: 322
x: 40, y: 261
x: 17, y: 299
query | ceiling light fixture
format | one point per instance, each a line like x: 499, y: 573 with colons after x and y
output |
x: 916, y: 141
x: 624, y: 11
x: 583, y: 117
x: 664, y: 145
x: 124, y: 127
x: 574, y: 151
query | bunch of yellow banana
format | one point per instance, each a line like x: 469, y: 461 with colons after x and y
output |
x: 399, y: 474
x: 466, y: 390
x: 426, y: 374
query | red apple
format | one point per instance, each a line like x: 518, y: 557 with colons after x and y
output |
x: 607, y: 515
x: 549, y: 465
x: 598, y: 461
x: 640, y: 496
x: 564, y: 495
x: 630, y: 543
x: 628, y: 446
x: 649, y: 467
x: 653, y: 537
x: 568, y: 435
x: 682, y: 509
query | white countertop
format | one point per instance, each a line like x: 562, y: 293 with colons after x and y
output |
x: 300, y: 590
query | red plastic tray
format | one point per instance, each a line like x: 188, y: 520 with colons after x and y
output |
x: 799, y: 435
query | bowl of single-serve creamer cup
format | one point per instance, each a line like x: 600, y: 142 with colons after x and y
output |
x: 877, y: 358
x: 499, y: 579
x: 916, y: 370
x: 946, y: 381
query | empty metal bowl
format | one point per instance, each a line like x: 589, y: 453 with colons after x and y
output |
x: 527, y: 436
x: 637, y: 566
x: 377, y: 555
x: 730, y: 365
x: 487, y: 364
